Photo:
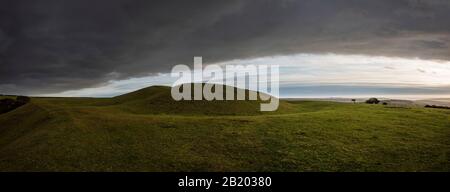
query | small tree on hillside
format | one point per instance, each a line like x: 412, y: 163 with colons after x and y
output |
x: 373, y: 101
x: 354, y: 100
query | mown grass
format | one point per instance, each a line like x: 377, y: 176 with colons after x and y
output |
x: 81, y: 134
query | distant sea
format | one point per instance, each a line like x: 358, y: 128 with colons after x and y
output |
x: 362, y: 91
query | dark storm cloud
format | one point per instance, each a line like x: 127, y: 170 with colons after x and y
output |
x: 48, y: 46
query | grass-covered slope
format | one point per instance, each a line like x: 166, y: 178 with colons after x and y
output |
x: 82, y: 134
x: 158, y: 100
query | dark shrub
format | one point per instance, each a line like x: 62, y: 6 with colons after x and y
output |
x: 373, y: 101
x: 7, y: 105
x: 384, y: 103
x: 22, y: 99
x: 354, y: 100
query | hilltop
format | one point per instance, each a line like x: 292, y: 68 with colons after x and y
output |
x: 158, y: 99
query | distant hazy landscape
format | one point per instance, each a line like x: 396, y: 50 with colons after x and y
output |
x: 398, y: 102
x: 148, y: 131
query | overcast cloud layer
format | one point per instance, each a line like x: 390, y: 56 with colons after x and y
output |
x: 55, y: 45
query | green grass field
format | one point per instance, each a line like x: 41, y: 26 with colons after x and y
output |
x: 147, y: 131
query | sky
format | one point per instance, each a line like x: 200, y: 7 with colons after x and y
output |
x: 325, y: 48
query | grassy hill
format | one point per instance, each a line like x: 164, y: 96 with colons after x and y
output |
x: 158, y: 100
x: 147, y: 131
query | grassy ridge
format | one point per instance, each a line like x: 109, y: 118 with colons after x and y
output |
x: 134, y: 134
x: 158, y: 100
